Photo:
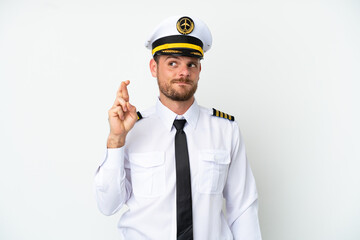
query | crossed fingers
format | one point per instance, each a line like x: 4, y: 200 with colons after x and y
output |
x: 121, y: 103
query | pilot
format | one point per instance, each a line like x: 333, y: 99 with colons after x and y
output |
x: 173, y: 165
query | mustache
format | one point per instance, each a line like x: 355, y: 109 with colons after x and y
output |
x: 182, y: 80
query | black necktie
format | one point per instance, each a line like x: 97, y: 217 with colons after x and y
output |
x: 183, y: 184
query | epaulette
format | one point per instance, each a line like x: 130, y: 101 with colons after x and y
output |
x: 217, y: 113
x: 139, y: 116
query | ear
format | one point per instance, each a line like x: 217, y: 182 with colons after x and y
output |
x: 153, y: 68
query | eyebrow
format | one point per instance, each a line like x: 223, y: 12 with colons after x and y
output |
x: 191, y: 61
x: 171, y: 56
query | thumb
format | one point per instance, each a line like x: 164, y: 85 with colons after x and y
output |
x: 132, y: 110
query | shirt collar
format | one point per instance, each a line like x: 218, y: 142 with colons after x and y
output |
x: 167, y: 116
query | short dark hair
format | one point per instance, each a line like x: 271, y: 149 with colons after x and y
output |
x: 156, y: 58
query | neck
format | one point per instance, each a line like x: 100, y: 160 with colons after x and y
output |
x: 178, y: 107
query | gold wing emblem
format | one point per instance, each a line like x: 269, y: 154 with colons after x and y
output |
x: 185, y: 25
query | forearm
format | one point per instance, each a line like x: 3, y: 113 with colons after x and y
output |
x: 111, y: 186
x: 247, y: 226
x: 242, y: 205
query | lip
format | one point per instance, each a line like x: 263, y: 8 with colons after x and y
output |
x: 181, y: 83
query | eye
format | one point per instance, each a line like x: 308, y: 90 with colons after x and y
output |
x: 172, y: 64
x: 192, y: 65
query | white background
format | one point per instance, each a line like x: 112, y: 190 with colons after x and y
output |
x: 288, y: 70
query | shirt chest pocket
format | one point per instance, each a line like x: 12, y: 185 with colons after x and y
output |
x: 213, y: 168
x: 147, y: 173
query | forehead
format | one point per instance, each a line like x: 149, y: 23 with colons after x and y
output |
x: 178, y: 58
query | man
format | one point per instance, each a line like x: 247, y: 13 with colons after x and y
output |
x: 173, y: 165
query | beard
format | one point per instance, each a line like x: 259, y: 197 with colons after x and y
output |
x: 178, y: 95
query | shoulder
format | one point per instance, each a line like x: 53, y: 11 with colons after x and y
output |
x: 222, y: 125
x: 216, y: 120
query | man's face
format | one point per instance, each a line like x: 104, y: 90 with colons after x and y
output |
x: 177, y: 76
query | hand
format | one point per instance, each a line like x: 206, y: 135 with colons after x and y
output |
x: 122, y: 117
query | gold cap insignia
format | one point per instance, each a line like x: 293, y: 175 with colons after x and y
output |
x: 185, y: 25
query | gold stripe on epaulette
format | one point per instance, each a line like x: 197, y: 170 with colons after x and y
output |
x: 218, y: 113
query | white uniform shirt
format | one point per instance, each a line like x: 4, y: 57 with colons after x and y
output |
x: 142, y: 175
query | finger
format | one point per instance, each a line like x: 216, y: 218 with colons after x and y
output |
x: 116, y: 102
x: 117, y: 112
x: 114, y: 110
x: 120, y: 113
x: 130, y: 107
x: 118, y: 95
x: 119, y: 102
x: 132, y: 110
x: 124, y: 91
x: 123, y: 104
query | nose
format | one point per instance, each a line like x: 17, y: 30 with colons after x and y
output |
x: 184, y: 71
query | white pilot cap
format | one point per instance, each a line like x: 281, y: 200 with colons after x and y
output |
x: 180, y: 35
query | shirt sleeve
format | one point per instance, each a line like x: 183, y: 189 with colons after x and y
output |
x: 111, y: 185
x: 240, y: 194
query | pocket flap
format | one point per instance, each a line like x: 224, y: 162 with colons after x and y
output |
x: 147, y: 160
x: 217, y: 156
